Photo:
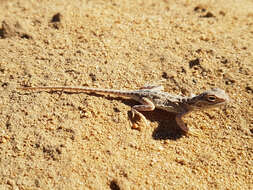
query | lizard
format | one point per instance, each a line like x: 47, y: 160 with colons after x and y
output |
x: 154, y: 96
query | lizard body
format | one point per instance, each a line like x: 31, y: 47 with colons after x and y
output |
x: 152, y: 97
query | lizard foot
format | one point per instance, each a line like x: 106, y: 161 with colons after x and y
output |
x: 136, y: 124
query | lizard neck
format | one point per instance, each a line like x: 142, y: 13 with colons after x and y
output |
x: 193, y: 102
x: 189, y: 102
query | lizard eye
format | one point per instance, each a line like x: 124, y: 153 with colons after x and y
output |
x: 211, y: 98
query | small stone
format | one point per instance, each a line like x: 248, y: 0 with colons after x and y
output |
x: 12, y: 27
x: 56, y: 18
x: 165, y: 75
x: 208, y: 15
x: 194, y: 62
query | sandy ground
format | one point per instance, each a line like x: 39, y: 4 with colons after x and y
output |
x: 80, y: 141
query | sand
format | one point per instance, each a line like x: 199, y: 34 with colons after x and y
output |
x: 81, y: 141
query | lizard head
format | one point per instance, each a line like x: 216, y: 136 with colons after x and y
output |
x: 211, y: 98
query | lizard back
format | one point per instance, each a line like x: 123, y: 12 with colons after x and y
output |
x: 161, y: 100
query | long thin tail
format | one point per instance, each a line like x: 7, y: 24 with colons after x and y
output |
x: 124, y: 93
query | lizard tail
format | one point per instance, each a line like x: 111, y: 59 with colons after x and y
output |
x: 124, y: 93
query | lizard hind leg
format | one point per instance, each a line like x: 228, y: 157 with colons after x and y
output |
x: 152, y: 87
x: 146, y: 105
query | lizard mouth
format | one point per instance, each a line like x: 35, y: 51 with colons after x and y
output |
x: 217, y: 104
x: 205, y: 105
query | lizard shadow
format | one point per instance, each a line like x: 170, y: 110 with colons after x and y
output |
x: 167, y: 125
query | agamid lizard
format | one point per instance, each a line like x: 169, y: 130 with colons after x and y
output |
x: 153, y: 96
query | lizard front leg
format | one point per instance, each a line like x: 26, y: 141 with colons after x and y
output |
x: 146, y: 105
x: 181, y: 123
